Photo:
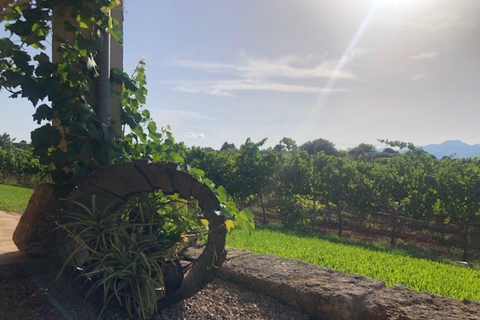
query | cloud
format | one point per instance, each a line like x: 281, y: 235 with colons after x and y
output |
x: 423, y: 56
x: 432, y: 23
x: 253, y: 74
x: 177, y: 118
x: 194, y: 135
x: 284, y: 67
x: 421, y: 76
x: 227, y: 88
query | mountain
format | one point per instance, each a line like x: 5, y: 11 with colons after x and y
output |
x: 450, y: 147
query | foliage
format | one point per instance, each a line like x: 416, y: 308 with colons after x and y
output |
x: 20, y: 166
x: 128, y: 249
x: 228, y: 146
x: 125, y: 259
x: 319, y: 145
x: 5, y: 140
x: 293, y: 211
x: 390, y: 265
x: 361, y: 150
x: 254, y: 170
x: 61, y: 92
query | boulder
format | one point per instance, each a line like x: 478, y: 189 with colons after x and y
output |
x: 34, y: 231
x: 328, y: 294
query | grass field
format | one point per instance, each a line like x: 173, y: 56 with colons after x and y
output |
x: 14, y: 199
x: 391, y: 266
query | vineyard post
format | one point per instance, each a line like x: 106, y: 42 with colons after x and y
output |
x: 107, y: 110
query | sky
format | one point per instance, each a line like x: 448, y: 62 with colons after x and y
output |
x: 344, y: 70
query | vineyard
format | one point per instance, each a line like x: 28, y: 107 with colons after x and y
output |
x: 409, y: 195
x: 401, y: 198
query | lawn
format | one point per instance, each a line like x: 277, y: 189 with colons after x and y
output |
x: 14, y: 199
x: 391, y: 266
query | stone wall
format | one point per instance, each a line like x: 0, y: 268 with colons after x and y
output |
x: 328, y: 294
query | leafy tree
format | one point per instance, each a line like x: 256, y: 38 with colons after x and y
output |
x: 319, y: 145
x: 335, y: 183
x: 293, y: 211
x: 219, y: 166
x: 5, y: 140
x: 459, y: 191
x: 279, y: 148
x: 255, y: 171
x: 228, y: 146
x: 361, y: 193
x: 361, y: 150
x: 289, y: 143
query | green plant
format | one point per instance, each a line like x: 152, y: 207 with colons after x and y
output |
x: 126, y: 247
x: 391, y: 265
x: 293, y: 211
x: 13, y: 198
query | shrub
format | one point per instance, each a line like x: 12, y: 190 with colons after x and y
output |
x: 293, y: 211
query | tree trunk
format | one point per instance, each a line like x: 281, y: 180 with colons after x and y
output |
x: 263, y: 209
x: 329, y: 211
x: 465, y: 242
x: 340, y: 220
x: 363, y: 216
x: 443, y: 229
x: 394, y: 228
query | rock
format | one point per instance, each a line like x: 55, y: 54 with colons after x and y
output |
x: 400, y: 302
x: 328, y: 294
x: 34, y: 230
x: 320, y: 292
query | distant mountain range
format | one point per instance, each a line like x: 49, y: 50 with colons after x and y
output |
x: 449, y: 147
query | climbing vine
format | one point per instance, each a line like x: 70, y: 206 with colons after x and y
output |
x: 71, y: 137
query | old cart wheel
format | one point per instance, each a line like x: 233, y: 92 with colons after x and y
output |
x: 117, y: 183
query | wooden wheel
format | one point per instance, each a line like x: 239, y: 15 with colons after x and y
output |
x: 117, y: 183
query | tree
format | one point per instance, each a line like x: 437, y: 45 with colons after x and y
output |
x: 459, y: 189
x: 5, y: 140
x: 279, y: 148
x: 255, y: 171
x: 361, y: 192
x: 319, y: 145
x: 361, y: 150
x: 289, y: 143
x: 228, y: 146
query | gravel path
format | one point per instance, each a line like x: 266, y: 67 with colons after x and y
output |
x: 224, y: 300
x: 35, y: 299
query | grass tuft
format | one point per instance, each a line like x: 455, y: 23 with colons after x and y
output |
x: 14, y: 199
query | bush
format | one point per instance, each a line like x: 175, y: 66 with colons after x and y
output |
x: 293, y: 211
x: 20, y: 167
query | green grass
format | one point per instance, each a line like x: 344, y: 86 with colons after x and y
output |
x: 392, y: 266
x: 14, y: 199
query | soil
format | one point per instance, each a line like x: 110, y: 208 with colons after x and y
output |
x: 44, y: 298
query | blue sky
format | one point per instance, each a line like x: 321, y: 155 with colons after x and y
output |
x: 349, y: 71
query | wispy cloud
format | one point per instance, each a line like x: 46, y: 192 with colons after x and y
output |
x: 252, y: 74
x: 177, y: 118
x: 434, y: 23
x: 423, y: 56
x: 285, y: 67
x: 194, y: 135
x: 421, y: 76
x: 227, y: 88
